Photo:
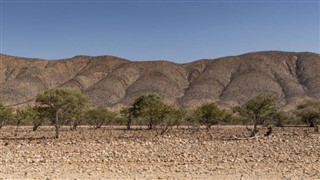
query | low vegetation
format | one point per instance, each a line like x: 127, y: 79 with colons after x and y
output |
x: 257, y: 111
x: 62, y: 107
x: 309, y: 113
x: 6, y: 115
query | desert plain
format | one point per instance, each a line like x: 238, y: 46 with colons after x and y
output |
x: 223, y: 152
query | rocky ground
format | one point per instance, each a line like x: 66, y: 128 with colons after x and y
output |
x: 290, y: 153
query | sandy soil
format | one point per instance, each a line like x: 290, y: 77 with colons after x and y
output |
x: 290, y: 153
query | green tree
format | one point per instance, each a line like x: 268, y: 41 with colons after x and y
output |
x: 43, y: 114
x: 210, y: 114
x: 76, y: 120
x: 150, y: 108
x: 6, y: 115
x: 62, y: 102
x: 191, y: 120
x: 280, y: 118
x: 257, y: 111
x: 169, y: 117
x: 309, y: 112
x: 100, y: 117
x: 25, y: 115
x: 127, y: 116
x: 177, y: 116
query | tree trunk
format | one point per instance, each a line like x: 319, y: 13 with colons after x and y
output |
x: 254, y: 130
x: 35, y: 127
x: 129, y: 124
x: 2, y: 124
x: 269, y: 132
x: 37, y: 124
x: 165, y: 129
x: 99, y: 125
x: 312, y: 123
x: 57, y: 132
x: 76, y: 123
x: 57, y: 126
x: 17, y: 128
x: 74, y: 126
x: 150, y: 124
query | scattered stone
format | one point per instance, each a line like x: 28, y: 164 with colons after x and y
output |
x: 179, y: 155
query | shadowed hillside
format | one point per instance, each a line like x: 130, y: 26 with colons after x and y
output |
x: 114, y: 82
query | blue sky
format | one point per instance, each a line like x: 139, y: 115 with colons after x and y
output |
x: 180, y: 31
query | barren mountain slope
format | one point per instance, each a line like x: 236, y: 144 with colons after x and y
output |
x: 114, y: 82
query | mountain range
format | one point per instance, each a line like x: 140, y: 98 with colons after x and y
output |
x: 114, y: 82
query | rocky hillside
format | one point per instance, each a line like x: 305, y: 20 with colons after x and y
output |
x: 114, y: 82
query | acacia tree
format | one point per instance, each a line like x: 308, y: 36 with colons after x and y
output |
x: 100, y: 117
x: 169, y: 117
x: 177, y: 116
x: 309, y: 112
x: 257, y: 111
x: 280, y: 118
x: 6, y: 115
x: 191, y: 120
x: 127, y: 117
x: 62, y: 102
x: 42, y: 115
x: 150, y: 108
x: 76, y: 120
x: 210, y: 114
x: 24, y: 115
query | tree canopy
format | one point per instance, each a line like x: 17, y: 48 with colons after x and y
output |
x: 6, y: 114
x: 258, y: 110
x: 309, y: 112
x: 99, y: 117
x: 210, y: 114
x: 64, y: 103
x: 151, y: 108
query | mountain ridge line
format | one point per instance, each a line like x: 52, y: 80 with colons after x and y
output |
x: 114, y: 82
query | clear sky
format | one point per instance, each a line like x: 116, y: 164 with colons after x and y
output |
x: 179, y: 30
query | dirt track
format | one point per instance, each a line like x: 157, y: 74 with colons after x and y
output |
x: 290, y: 153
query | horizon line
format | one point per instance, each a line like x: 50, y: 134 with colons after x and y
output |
x: 146, y: 60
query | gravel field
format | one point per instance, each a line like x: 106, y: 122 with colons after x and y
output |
x: 220, y: 153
